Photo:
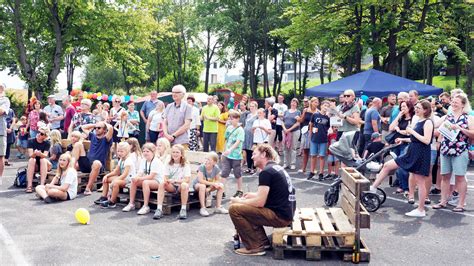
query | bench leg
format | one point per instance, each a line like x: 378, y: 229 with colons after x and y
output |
x: 312, y: 253
x: 278, y: 253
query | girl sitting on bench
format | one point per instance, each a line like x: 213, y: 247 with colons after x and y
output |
x: 64, y: 184
x: 209, y: 179
x: 118, y: 178
x: 150, y: 175
x: 177, y: 175
x: 163, y: 150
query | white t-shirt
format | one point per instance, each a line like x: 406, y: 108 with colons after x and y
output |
x: 434, y: 143
x: 177, y: 172
x: 155, y: 166
x: 71, y: 179
x: 196, y: 119
x: 134, y: 157
x: 259, y: 135
x: 133, y: 170
x: 281, y: 108
x: 156, y: 118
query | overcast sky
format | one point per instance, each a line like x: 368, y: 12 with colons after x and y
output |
x: 14, y: 82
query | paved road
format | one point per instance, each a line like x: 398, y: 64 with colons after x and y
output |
x: 32, y: 232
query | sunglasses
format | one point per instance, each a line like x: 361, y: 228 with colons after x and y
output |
x: 117, y: 101
x: 347, y: 96
x: 98, y: 127
x: 42, y: 134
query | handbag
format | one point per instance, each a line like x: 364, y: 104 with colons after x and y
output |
x: 391, y: 137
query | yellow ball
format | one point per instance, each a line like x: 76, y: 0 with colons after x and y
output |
x: 82, y: 216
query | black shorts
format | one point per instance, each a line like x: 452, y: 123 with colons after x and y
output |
x: 68, y: 198
x: 85, y: 166
x: 279, y: 133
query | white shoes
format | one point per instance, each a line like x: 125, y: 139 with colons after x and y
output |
x: 203, y: 212
x: 373, y: 189
x: 416, y: 213
x: 129, y: 207
x: 292, y: 167
x: 221, y: 210
x: 143, y: 210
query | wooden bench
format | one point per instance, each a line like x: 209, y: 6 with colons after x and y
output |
x: 195, y: 159
x: 329, y: 230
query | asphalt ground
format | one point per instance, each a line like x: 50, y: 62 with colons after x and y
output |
x: 32, y: 232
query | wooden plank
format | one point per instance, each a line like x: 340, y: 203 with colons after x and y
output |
x: 350, y: 212
x: 352, y: 178
x: 296, y: 226
x: 307, y: 214
x: 325, y: 222
x: 277, y: 235
x: 349, y: 196
x: 341, y: 220
x: 312, y: 227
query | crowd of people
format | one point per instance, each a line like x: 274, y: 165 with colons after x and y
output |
x: 245, y: 139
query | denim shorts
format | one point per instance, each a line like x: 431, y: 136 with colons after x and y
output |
x: 434, y: 154
x: 332, y: 158
x: 455, y: 164
x: 24, y: 143
x: 318, y: 149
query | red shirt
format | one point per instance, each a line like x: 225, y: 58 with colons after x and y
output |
x: 76, y: 104
x: 331, y: 139
x: 70, y: 112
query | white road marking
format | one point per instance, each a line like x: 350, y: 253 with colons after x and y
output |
x: 388, y: 197
x: 15, y: 252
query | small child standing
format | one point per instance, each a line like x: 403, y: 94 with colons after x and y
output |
x: 118, y: 178
x: 23, y: 136
x: 333, y: 162
x: 123, y: 126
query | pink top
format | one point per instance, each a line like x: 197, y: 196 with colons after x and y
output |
x: 33, y: 117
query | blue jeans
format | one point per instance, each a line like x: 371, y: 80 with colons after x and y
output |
x: 402, y: 174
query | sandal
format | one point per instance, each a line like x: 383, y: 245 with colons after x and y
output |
x: 29, y: 190
x: 411, y: 201
x: 458, y: 209
x: 398, y: 191
x: 427, y: 201
x: 439, y: 206
x: 87, y: 192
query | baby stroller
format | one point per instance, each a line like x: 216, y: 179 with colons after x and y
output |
x: 345, y: 152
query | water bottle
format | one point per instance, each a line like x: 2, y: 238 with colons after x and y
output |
x: 236, y: 241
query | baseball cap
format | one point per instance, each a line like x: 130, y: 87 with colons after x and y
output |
x: 51, y: 96
x: 375, y: 135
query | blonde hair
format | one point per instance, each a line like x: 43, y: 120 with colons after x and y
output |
x: 135, y: 146
x: 183, y: 160
x: 313, y: 99
x: 149, y: 146
x: 60, y: 171
x: 213, y: 156
x: 55, y: 137
x: 160, y: 106
x: 269, y: 152
x: 166, y: 143
x: 76, y: 134
x: 467, y: 105
x: 124, y: 145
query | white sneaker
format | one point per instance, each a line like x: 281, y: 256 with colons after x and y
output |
x: 203, y: 212
x: 292, y: 167
x: 453, y: 201
x: 143, y: 210
x: 221, y: 210
x: 416, y: 213
x: 129, y: 207
x: 372, y: 189
x: 300, y: 171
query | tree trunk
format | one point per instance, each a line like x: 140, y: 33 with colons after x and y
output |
x: 305, y: 76
x: 245, y: 75
x: 457, y: 70
x: 375, y: 37
x: 358, y: 12
x: 125, y: 74
x: 252, y: 77
x: 295, y: 61
x: 208, y: 63
x: 275, y: 67
x: 70, y: 70
x: 321, y: 68
x: 404, y: 65
x: 424, y: 69
x: 300, y: 61
x: 429, y: 69
x: 179, y: 61
x: 282, y: 70
x: 158, y: 66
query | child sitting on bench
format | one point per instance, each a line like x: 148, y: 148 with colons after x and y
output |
x: 150, y: 175
x: 64, y: 184
x: 209, y: 179
x: 177, y: 175
x: 118, y: 178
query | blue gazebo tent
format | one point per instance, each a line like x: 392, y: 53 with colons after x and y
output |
x: 372, y: 83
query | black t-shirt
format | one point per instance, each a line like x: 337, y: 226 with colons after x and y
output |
x: 35, y: 145
x: 281, y: 197
x: 275, y: 113
x: 321, y: 123
x: 375, y: 147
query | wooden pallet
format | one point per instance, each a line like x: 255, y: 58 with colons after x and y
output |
x: 315, y: 230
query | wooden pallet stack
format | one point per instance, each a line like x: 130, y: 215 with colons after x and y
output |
x: 333, y: 230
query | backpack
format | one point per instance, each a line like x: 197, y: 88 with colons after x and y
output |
x: 20, y: 180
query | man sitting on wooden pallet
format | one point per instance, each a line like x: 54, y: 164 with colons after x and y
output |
x: 94, y: 161
x: 38, y: 150
x: 273, y: 204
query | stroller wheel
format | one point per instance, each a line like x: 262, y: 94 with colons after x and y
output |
x: 382, y: 195
x: 371, y: 201
x: 330, y: 198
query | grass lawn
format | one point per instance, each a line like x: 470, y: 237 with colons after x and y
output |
x: 446, y: 82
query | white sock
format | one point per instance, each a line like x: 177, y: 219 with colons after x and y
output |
x: 183, y: 207
x: 160, y: 207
